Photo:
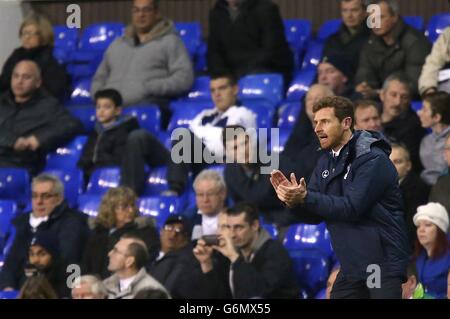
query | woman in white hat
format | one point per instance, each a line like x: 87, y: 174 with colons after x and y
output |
x: 433, y: 249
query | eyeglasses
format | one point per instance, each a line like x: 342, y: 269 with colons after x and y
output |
x: 29, y: 34
x: 171, y: 228
x: 145, y: 10
x: 44, y: 196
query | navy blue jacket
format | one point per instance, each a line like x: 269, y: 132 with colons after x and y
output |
x: 68, y: 225
x: 358, y: 196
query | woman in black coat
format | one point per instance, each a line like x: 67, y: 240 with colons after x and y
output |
x: 36, y: 35
x: 118, y: 215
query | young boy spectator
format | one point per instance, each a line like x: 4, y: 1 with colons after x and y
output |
x: 106, y: 144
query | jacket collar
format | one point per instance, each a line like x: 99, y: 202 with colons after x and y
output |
x: 161, y: 28
x: 263, y: 237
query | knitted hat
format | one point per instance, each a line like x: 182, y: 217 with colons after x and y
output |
x: 434, y: 213
x: 48, y: 241
x: 341, y: 63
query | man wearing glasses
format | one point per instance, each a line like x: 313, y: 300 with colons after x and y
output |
x: 50, y: 213
x: 149, y: 64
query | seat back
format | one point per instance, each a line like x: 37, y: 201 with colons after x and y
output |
x: 191, y: 35
x: 148, y: 116
x: 416, y: 22
x: 72, y: 178
x: 436, y: 25
x: 99, y: 36
x: 86, y: 114
x: 89, y: 204
x: 156, y: 182
x: 103, y: 179
x: 15, y: 185
x: 81, y: 93
x: 268, y: 86
x: 313, y: 55
x: 328, y: 28
x: 200, y: 89
x: 300, y: 85
x: 288, y: 115
x: 159, y: 207
x: 67, y: 156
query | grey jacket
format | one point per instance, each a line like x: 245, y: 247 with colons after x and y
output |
x: 432, y: 156
x: 159, y: 67
x: 141, y: 282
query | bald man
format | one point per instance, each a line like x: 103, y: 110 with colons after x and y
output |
x: 31, y: 121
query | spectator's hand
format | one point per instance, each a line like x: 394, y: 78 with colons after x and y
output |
x: 33, y: 142
x: 226, y: 248
x: 203, y: 254
x: 366, y: 90
x: 8, y: 289
x: 21, y: 144
x: 291, y: 192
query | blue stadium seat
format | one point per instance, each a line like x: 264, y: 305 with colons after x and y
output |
x: 299, y: 86
x: 297, y: 32
x: 191, y: 104
x: 264, y: 114
x: 183, y: 116
x: 200, y: 89
x: 416, y: 105
x: 277, y: 147
x: 148, y: 116
x: 322, y: 294
x: 191, y: 34
x: 416, y: 22
x: 13, y: 294
x: 164, y: 138
x: 328, y: 28
x: 288, y: 115
x: 267, y: 86
x: 7, y: 244
x: 313, y: 55
x: 81, y: 93
x: 103, y: 179
x: 66, y: 157
x: 271, y: 229
x: 220, y: 168
x: 156, y: 182
x: 73, y: 183
x: 200, y: 63
x: 15, y: 185
x: 310, y: 249
x: 86, y: 114
x: 8, y: 210
x: 66, y: 41
x: 89, y: 204
x: 159, y: 207
x: 436, y: 25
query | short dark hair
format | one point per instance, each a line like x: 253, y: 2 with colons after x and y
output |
x: 250, y: 211
x: 440, y: 104
x: 364, y: 104
x: 138, y: 250
x: 155, y: 4
x: 403, y: 147
x: 392, y: 5
x: 230, y: 77
x: 111, y: 94
x: 342, y: 106
x: 363, y: 3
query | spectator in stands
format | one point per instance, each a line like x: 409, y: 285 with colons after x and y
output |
x: 247, y: 36
x: 36, y: 35
x: 206, y: 130
x: 414, y: 190
x: 394, y: 47
x: 44, y: 259
x: 367, y: 116
x: 127, y: 262
x: 50, y: 213
x: 118, y: 215
x: 438, y: 60
x: 433, y: 249
x: 400, y: 123
x: 261, y: 267
x: 37, y: 287
x: 149, y: 64
x: 410, y: 285
x: 352, y: 35
x: 106, y: 144
x: 174, y: 255
x: 30, y: 121
x: 434, y: 115
x: 336, y: 72
x: 440, y: 190
x: 330, y: 282
x: 210, y: 195
x: 88, y: 287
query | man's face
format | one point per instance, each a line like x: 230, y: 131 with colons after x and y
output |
x: 238, y: 149
x: 106, y: 111
x: 447, y: 150
x: 119, y: 258
x: 25, y: 80
x: 44, y: 199
x: 173, y: 237
x: 39, y: 257
x: 400, y: 160
x: 328, y: 128
x: 427, y: 119
x: 241, y: 232
x: 209, y: 197
x: 331, y: 77
x: 387, y: 20
x: 223, y: 93
x: 144, y: 15
x: 395, y: 99
x: 83, y: 291
x: 353, y: 13
x: 315, y: 93
x: 367, y: 118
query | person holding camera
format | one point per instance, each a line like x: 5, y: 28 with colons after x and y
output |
x: 243, y: 261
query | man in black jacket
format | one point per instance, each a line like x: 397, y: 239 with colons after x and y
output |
x: 50, y: 213
x: 394, y: 47
x: 249, y: 264
x: 31, y: 122
x: 247, y: 36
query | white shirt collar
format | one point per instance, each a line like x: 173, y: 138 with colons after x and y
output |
x: 125, y: 283
x: 36, y: 221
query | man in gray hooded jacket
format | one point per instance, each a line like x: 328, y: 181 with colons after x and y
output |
x: 149, y: 64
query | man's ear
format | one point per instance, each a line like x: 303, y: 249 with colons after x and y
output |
x: 129, y: 261
x: 382, y: 95
x: 347, y: 122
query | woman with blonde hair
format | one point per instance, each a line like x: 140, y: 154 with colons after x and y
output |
x: 118, y: 215
x: 37, y: 38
